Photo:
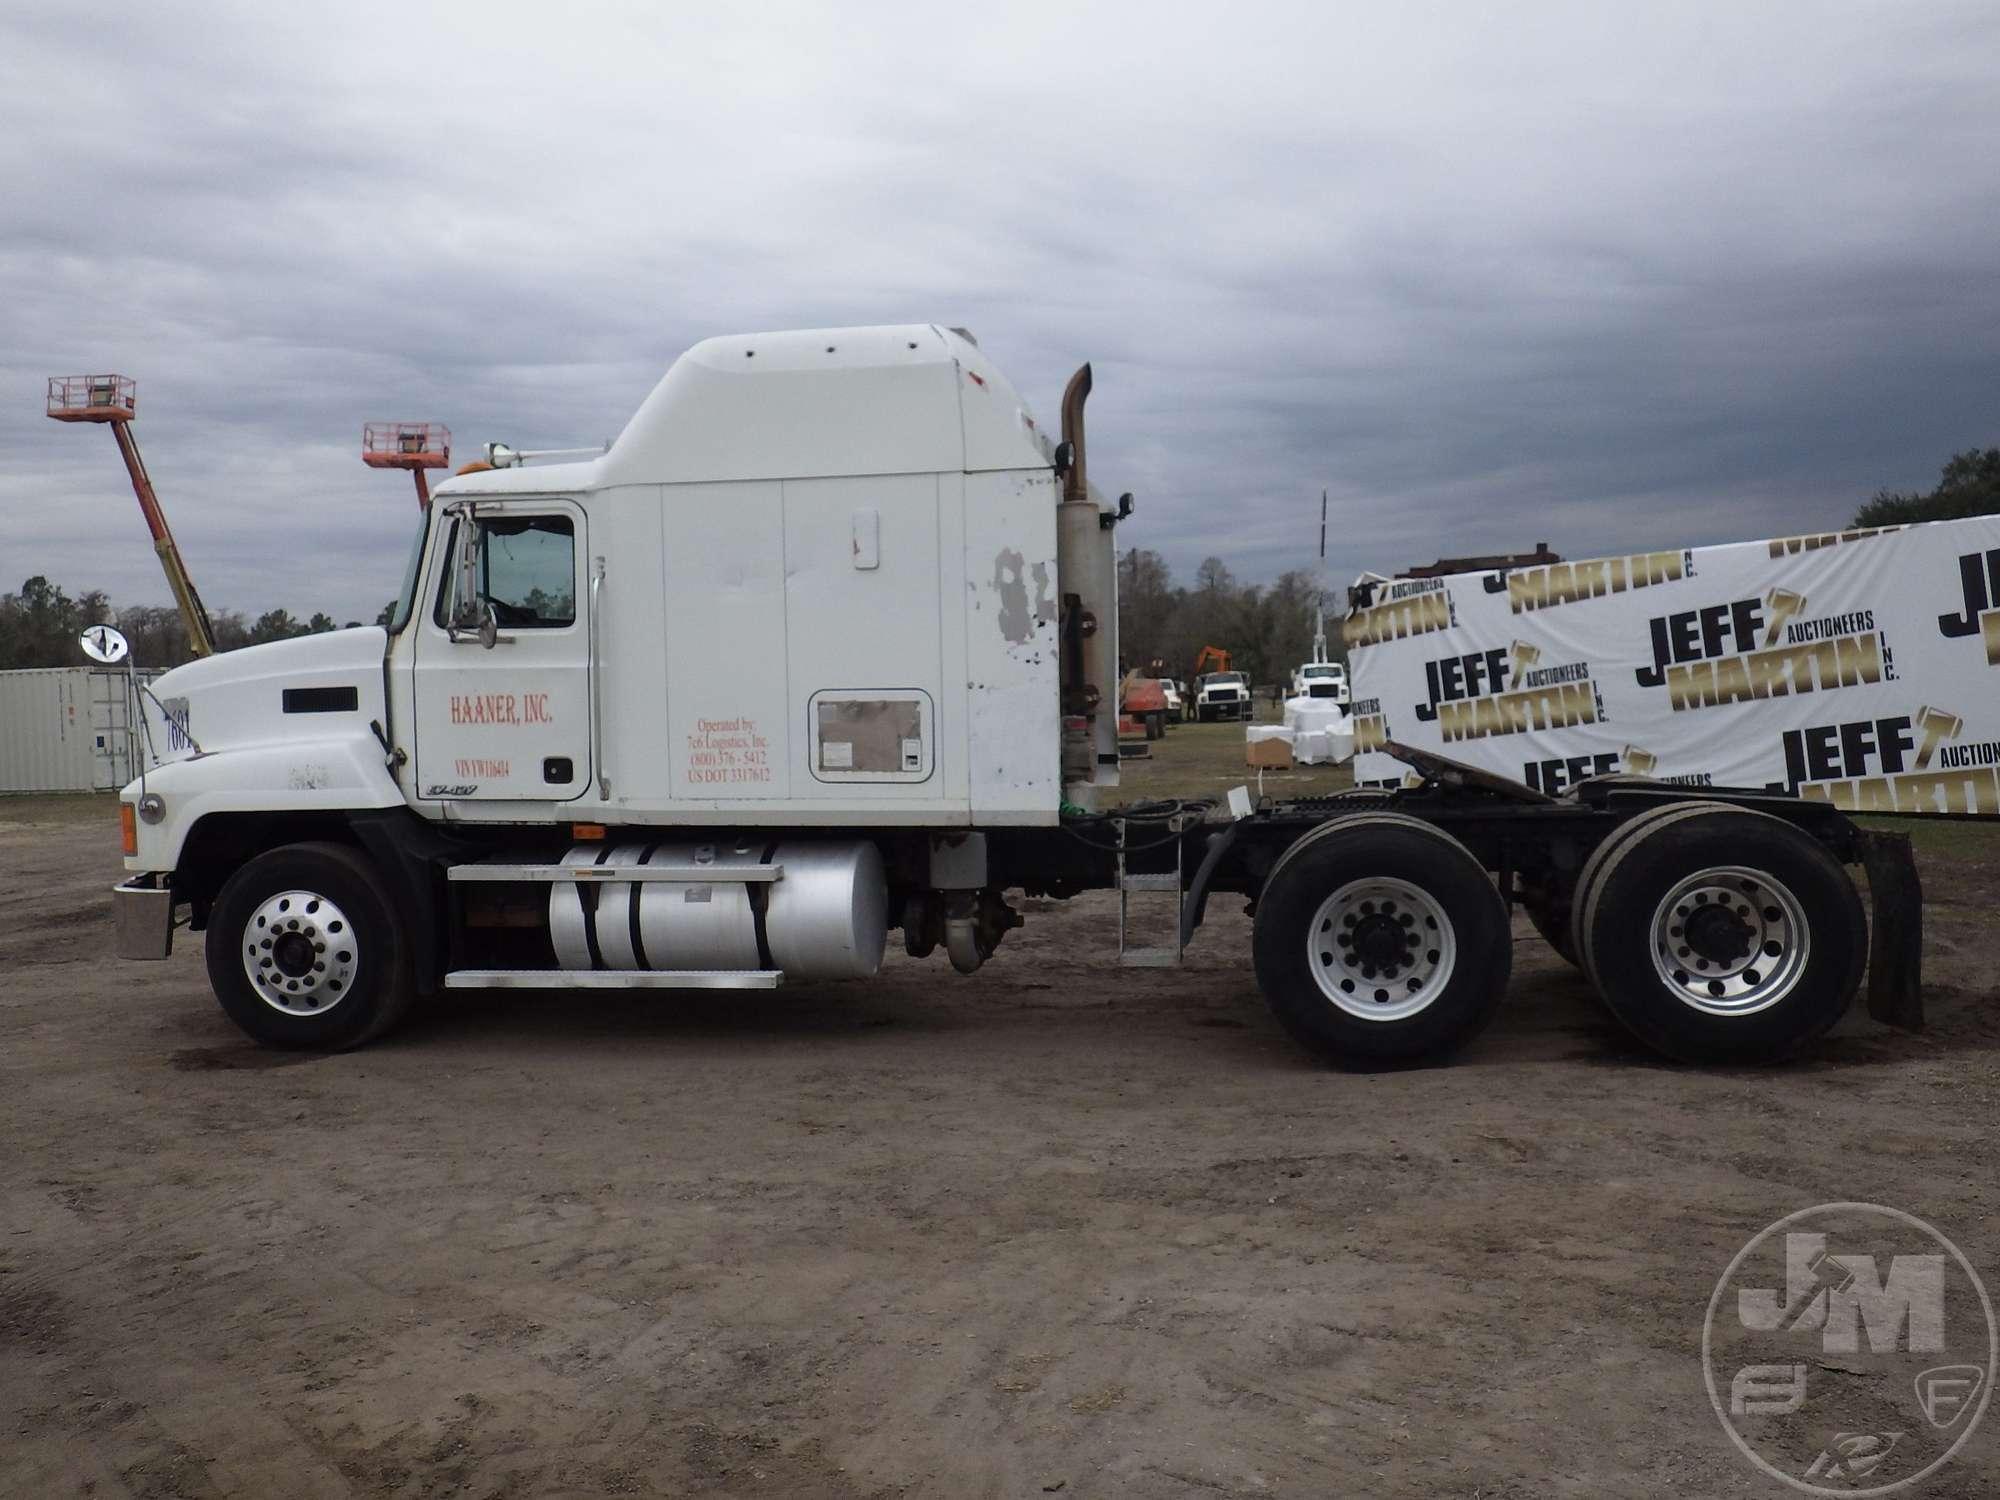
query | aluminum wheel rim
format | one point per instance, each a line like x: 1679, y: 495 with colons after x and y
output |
x: 1381, y: 949
x: 300, y: 953
x: 1753, y: 949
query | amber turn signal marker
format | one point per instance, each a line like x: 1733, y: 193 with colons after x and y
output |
x: 586, y: 830
x: 128, y: 826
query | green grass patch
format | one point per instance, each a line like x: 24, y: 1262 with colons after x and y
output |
x: 1974, y: 841
x: 1206, y: 760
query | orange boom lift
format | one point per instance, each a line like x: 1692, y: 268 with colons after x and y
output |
x: 415, y: 446
x: 113, y: 400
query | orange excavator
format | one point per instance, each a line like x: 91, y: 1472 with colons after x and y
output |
x: 1210, y: 659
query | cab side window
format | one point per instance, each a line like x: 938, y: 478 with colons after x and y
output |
x: 527, y: 572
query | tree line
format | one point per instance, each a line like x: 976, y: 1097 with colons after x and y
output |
x: 1266, y: 628
x: 1968, y: 485
x: 39, y: 626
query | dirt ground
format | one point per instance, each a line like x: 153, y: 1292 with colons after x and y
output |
x: 1059, y: 1228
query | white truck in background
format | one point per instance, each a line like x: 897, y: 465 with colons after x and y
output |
x: 824, y: 647
x: 1321, y: 679
x: 1222, y: 695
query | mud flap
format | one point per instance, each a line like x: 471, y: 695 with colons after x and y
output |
x: 1896, y: 952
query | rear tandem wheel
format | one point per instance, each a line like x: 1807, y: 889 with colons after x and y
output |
x: 1380, y: 940
x: 1717, y: 934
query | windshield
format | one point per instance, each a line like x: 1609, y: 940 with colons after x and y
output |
x: 1228, y: 677
x: 399, y: 612
x: 1323, y: 669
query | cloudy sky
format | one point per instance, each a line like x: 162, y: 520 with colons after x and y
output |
x: 1490, y: 274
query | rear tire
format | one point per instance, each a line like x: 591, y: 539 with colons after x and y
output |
x: 1721, y: 935
x: 1586, y: 881
x: 305, y: 951
x: 1381, y: 940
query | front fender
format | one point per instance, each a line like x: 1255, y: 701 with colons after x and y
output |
x: 340, y: 774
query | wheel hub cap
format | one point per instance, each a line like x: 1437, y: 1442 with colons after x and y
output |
x: 1715, y: 932
x: 300, y: 953
x: 1730, y: 941
x: 1381, y: 949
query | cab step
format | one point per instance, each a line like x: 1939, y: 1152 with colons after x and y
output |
x: 619, y: 874
x: 614, y: 979
x: 1145, y: 882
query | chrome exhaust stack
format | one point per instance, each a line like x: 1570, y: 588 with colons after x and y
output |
x: 1087, y: 571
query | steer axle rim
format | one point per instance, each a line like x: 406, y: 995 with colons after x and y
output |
x: 1381, y: 949
x: 300, y: 953
x: 1730, y: 940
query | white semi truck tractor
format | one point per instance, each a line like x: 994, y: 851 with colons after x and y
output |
x: 822, y: 650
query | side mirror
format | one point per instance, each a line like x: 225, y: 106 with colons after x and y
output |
x: 104, y: 644
x: 469, y: 612
x: 472, y: 617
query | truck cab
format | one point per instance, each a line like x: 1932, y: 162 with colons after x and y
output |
x: 1321, y: 679
x: 1222, y: 695
x: 825, y: 582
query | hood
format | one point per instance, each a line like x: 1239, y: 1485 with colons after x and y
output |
x: 302, y: 688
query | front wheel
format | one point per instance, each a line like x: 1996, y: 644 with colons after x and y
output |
x: 1722, y: 935
x: 304, y: 950
x: 1380, y: 940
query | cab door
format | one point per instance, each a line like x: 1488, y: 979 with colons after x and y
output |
x: 503, y: 659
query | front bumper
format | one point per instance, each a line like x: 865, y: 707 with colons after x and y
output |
x: 143, y: 913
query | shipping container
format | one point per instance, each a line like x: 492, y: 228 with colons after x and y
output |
x: 63, y: 729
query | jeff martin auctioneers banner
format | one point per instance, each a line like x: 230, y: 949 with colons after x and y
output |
x: 1859, y: 667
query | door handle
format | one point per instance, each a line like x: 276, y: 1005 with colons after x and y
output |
x: 596, y: 688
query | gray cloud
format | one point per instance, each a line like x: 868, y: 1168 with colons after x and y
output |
x: 1569, y: 273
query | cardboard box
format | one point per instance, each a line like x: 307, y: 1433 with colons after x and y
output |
x: 1270, y: 753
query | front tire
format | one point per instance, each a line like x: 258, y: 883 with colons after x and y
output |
x: 304, y: 950
x: 1721, y: 935
x: 1381, y: 940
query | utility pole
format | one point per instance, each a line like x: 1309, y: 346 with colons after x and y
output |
x: 1319, y: 594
